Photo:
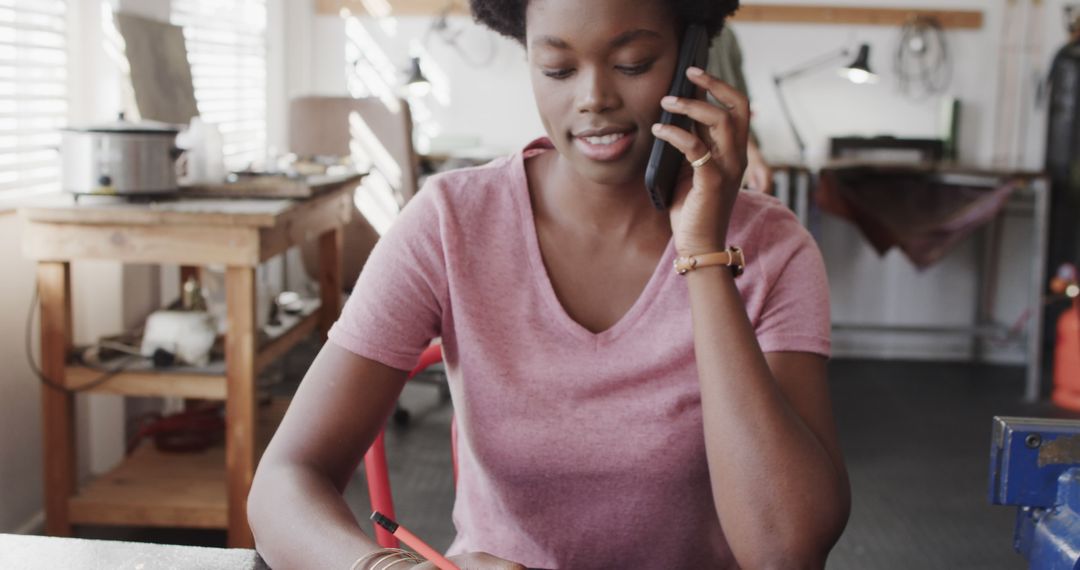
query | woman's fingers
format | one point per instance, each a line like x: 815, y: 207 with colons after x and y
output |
x: 722, y: 127
x: 729, y: 97
x: 687, y: 143
x: 731, y: 105
x: 701, y: 111
x: 727, y: 124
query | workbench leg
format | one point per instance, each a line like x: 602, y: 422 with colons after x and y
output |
x: 330, y: 278
x: 987, y: 255
x: 1033, y: 387
x: 240, y: 410
x: 58, y: 410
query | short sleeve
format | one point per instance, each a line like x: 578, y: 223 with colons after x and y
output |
x: 795, y: 316
x: 396, y: 307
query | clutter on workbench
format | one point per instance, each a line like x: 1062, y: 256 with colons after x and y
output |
x: 121, y: 157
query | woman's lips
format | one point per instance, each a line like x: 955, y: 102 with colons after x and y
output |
x: 605, y: 148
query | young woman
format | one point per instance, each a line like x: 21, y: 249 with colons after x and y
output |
x: 612, y: 413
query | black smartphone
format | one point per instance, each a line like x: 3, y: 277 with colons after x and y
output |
x: 666, y: 160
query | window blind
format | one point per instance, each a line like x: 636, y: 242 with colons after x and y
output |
x: 33, y: 94
x: 226, y: 44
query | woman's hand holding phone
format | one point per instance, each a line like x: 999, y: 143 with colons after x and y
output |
x: 705, y: 196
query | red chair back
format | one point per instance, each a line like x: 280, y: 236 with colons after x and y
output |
x: 378, y: 475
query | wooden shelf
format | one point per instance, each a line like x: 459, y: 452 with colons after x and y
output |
x: 207, y: 383
x: 149, y: 383
x: 157, y: 489
x: 855, y: 16
x: 280, y: 342
x: 785, y: 13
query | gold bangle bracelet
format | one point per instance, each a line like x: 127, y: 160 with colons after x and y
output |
x: 392, y: 561
x: 377, y: 556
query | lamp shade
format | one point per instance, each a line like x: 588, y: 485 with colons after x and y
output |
x: 416, y: 82
x: 859, y: 70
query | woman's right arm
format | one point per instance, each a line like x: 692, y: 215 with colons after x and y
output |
x: 295, y: 508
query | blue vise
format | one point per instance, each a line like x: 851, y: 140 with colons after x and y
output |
x: 1035, y: 465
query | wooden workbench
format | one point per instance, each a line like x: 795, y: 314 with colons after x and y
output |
x: 150, y: 488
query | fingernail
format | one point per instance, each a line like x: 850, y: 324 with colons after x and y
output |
x: 669, y: 100
x: 694, y: 71
x: 656, y: 128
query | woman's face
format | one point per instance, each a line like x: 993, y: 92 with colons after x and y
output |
x: 599, y: 69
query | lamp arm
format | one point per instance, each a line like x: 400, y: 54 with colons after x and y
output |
x: 777, y: 81
x: 813, y: 64
x: 794, y: 72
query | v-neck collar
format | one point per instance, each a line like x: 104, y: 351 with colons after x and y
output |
x: 547, y: 290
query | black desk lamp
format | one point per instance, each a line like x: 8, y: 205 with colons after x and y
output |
x: 417, y: 83
x: 858, y: 72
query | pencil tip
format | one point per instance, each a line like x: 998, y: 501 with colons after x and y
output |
x: 384, y: 521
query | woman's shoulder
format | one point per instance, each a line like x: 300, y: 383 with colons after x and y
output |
x: 465, y: 194
x: 758, y: 216
x: 463, y: 183
x: 769, y: 232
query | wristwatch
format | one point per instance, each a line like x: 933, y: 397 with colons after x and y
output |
x: 732, y: 257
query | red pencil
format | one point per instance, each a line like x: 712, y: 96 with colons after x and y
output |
x: 413, y: 542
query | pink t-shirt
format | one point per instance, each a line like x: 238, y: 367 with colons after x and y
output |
x: 576, y: 450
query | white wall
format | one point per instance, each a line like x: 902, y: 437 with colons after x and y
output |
x: 107, y: 298
x: 20, y: 415
x: 491, y: 104
x: 495, y: 105
x: 889, y: 290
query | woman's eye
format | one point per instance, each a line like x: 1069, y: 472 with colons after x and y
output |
x: 634, y: 69
x: 558, y: 73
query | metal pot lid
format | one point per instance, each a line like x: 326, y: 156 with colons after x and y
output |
x: 123, y: 126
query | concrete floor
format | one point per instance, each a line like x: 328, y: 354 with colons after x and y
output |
x: 916, y: 437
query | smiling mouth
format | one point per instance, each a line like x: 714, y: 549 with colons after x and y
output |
x: 605, y: 145
x: 605, y: 139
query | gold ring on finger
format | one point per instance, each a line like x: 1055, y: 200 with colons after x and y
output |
x: 701, y: 161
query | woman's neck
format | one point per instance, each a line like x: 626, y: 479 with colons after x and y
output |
x: 611, y: 211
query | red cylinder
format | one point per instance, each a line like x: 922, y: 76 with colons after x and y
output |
x: 1067, y: 360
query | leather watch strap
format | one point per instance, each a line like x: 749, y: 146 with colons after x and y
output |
x: 731, y: 257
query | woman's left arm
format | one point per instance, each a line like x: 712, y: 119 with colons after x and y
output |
x: 778, y: 479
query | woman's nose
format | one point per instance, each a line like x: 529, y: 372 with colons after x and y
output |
x: 596, y: 94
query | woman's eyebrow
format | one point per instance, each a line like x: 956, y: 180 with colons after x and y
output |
x: 619, y: 41
x: 550, y: 41
x: 628, y: 37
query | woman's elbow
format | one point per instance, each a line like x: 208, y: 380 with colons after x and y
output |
x: 807, y: 555
x: 260, y: 497
x: 806, y: 547
x: 812, y: 549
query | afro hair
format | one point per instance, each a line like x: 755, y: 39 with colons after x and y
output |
x: 507, y: 17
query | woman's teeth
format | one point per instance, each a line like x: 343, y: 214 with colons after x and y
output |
x: 605, y: 139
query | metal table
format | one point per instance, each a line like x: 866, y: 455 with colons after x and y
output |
x: 795, y: 186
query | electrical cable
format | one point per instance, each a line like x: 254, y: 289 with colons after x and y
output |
x: 922, y: 63
x: 107, y: 374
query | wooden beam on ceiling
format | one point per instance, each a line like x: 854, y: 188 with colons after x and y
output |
x: 772, y: 13
x: 843, y: 15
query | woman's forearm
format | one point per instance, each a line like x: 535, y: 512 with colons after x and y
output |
x: 301, y: 520
x: 780, y: 496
